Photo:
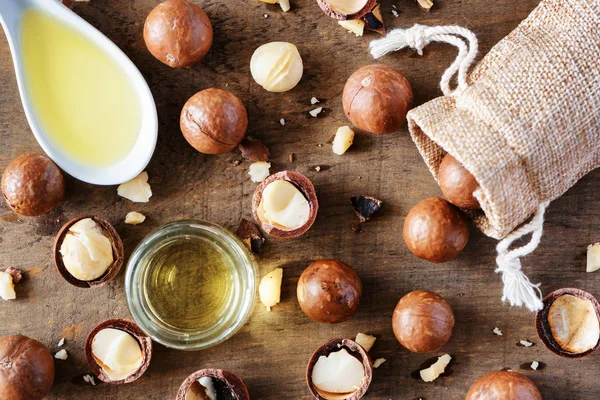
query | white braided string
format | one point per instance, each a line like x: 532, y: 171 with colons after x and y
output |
x: 419, y: 36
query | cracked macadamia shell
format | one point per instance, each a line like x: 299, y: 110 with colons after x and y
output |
x: 504, y: 385
x: 435, y: 230
x: 178, y: 33
x: 305, y: 186
x: 356, y: 351
x: 33, y: 185
x: 569, y: 323
x: 457, y: 183
x: 346, y: 9
x: 26, y: 368
x: 377, y: 98
x: 214, y: 121
x: 117, y: 249
x: 227, y: 385
x: 422, y: 321
x: 132, y: 329
x: 329, y: 291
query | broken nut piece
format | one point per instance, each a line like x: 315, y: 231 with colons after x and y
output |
x: 270, y: 288
x: 137, y: 190
x: 277, y: 66
x: 433, y: 372
x: 425, y: 5
x: 344, y: 137
x: 356, y: 26
x: 593, y: 257
x: 366, y: 341
x: 134, y: 218
x: 250, y: 235
x: 259, y: 171
x: 346, y: 9
x: 7, y: 286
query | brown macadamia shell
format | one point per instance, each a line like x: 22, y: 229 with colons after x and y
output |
x: 355, y: 350
x: 457, y: 184
x: 423, y: 321
x: 329, y: 291
x: 26, y: 368
x: 327, y: 9
x: 377, y: 98
x: 435, y: 230
x: 129, y: 327
x: 178, y: 33
x: 231, y: 380
x: 504, y: 385
x: 308, y: 190
x: 117, y: 248
x: 543, y: 326
x: 33, y: 185
x: 214, y: 121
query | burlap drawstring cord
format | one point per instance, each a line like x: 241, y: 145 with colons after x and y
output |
x: 518, y: 289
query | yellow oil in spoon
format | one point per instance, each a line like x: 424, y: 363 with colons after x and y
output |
x: 81, y: 98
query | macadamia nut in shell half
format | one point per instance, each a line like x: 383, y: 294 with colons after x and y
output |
x: 504, y: 385
x: 377, y: 98
x: 178, y: 33
x: 277, y: 66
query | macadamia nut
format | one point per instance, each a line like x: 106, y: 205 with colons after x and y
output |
x: 339, y: 372
x: 344, y: 137
x: 574, y: 323
x: 283, y: 205
x: 593, y: 257
x: 270, y: 288
x: 259, y: 171
x: 277, y: 66
x: 137, y: 190
x: 432, y: 373
x: 86, y: 250
x: 134, y: 218
x: 117, y: 352
x: 7, y: 286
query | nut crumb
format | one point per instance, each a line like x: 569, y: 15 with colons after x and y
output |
x: 315, y: 112
x: 16, y: 274
x: 61, y: 342
x: 395, y: 13
x: 266, y: 15
x: 314, y: 101
x: 535, y: 365
x: 497, y: 331
x: 317, y: 168
x: 292, y: 157
x: 236, y: 163
x: 282, y: 122
x: 259, y: 171
x: 377, y: 363
x: 61, y: 355
x: 525, y: 343
x: 89, y: 379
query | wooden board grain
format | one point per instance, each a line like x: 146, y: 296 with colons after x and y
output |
x: 270, y: 353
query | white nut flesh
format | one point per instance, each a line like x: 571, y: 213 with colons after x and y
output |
x: 377, y: 363
x: 117, y: 352
x: 593, y: 257
x: 61, y: 355
x: 338, y: 373
x: 356, y: 26
x: 277, y: 66
x: 137, y: 190
x: 535, y: 365
x: 344, y: 137
x: 574, y: 323
x: 259, y: 171
x: 366, y: 341
x: 283, y: 206
x: 270, y: 288
x: 497, y: 331
x: 346, y: 7
x: 86, y: 250
x: 134, y: 218
x: 7, y: 286
x: 432, y: 373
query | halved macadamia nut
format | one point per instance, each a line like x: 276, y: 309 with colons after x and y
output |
x: 346, y: 9
x: 339, y: 370
x: 88, y: 251
x: 285, y: 204
x: 569, y: 323
x: 213, y: 384
x: 118, y: 351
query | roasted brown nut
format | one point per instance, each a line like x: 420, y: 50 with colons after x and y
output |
x: 113, y: 269
x: 327, y: 381
x: 376, y: 99
x: 569, y: 323
x: 178, y: 33
x: 422, y: 321
x: 435, y: 230
x: 224, y: 384
x: 98, y: 347
x: 329, y: 291
x: 275, y: 195
x: 26, y: 368
x: 346, y: 9
x: 254, y: 150
x: 457, y: 183
x: 214, y: 121
x: 504, y: 385
x: 33, y: 185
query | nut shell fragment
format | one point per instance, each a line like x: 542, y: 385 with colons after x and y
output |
x: 236, y: 388
x: 254, y: 150
x: 250, y: 235
x: 365, y: 206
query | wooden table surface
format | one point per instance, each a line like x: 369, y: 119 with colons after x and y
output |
x: 271, y: 351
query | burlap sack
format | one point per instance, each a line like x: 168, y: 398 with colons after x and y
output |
x: 528, y: 124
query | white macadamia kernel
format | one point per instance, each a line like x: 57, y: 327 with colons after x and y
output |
x: 117, y: 352
x: 209, y: 387
x: 593, y: 257
x: 339, y: 372
x: 283, y: 205
x: 535, y: 365
x: 137, y: 190
x: 344, y: 137
x: 574, y: 323
x: 432, y: 373
x: 525, y: 343
x: 366, y: 341
x: 314, y: 100
x: 61, y: 355
x: 356, y: 26
x: 346, y: 7
x: 134, y: 218
x: 497, y: 331
x: 86, y: 250
x: 377, y: 363
x: 270, y: 288
x: 315, y: 112
x: 7, y: 286
x: 284, y: 4
x: 277, y: 66
x: 259, y: 171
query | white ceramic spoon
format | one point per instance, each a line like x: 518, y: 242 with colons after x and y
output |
x: 137, y: 159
